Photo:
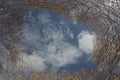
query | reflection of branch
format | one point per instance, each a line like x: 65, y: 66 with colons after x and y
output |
x: 1, y: 67
x: 103, y: 19
x: 3, y: 2
x: 44, y: 5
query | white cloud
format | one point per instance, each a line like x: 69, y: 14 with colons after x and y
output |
x: 44, y: 18
x: 62, y: 54
x: 32, y: 62
x: 57, y: 54
x: 47, y: 41
x: 86, y: 41
x: 47, y: 44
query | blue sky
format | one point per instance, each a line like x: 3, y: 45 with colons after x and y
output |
x: 51, y: 41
